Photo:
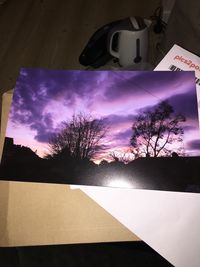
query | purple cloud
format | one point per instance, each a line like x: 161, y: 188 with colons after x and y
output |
x: 36, y: 89
x: 44, y: 128
x: 185, y: 104
x: 119, y: 119
x: 150, y: 83
x: 124, y: 135
x: 189, y: 128
x: 194, y: 144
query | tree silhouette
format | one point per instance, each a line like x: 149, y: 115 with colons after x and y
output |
x: 125, y: 156
x: 79, y: 138
x: 155, y: 130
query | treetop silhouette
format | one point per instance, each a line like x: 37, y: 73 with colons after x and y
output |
x: 155, y: 131
x: 80, y: 138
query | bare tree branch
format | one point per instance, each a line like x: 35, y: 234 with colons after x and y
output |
x: 155, y: 130
x: 81, y: 137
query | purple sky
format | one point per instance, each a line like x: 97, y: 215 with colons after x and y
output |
x: 44, y: 98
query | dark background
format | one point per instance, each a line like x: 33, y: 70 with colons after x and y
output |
x: 126, y: 254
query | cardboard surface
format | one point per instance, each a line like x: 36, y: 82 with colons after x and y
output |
x: 40, y: 214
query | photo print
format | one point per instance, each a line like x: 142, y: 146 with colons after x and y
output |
x: 128, y: 129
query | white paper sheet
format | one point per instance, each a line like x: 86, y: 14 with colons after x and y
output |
x: 167, y: 221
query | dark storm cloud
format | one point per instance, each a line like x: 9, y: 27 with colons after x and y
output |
x: 118, y: 119
x: 44, y: 136
x: 140, y: 83
x: 188, y: 128
x: 194, y: 144
x: 36, y: 87
x: 124, y: 135
x: 185, y: 104
x: 42, y: 85
x: 122, y: 127
x: 44, y: 128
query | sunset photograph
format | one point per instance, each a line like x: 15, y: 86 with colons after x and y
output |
x: 131, y: 129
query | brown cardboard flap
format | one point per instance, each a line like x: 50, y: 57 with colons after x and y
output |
x: 4, y: 199
x: 40, y: 214
x: 4, y: 186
